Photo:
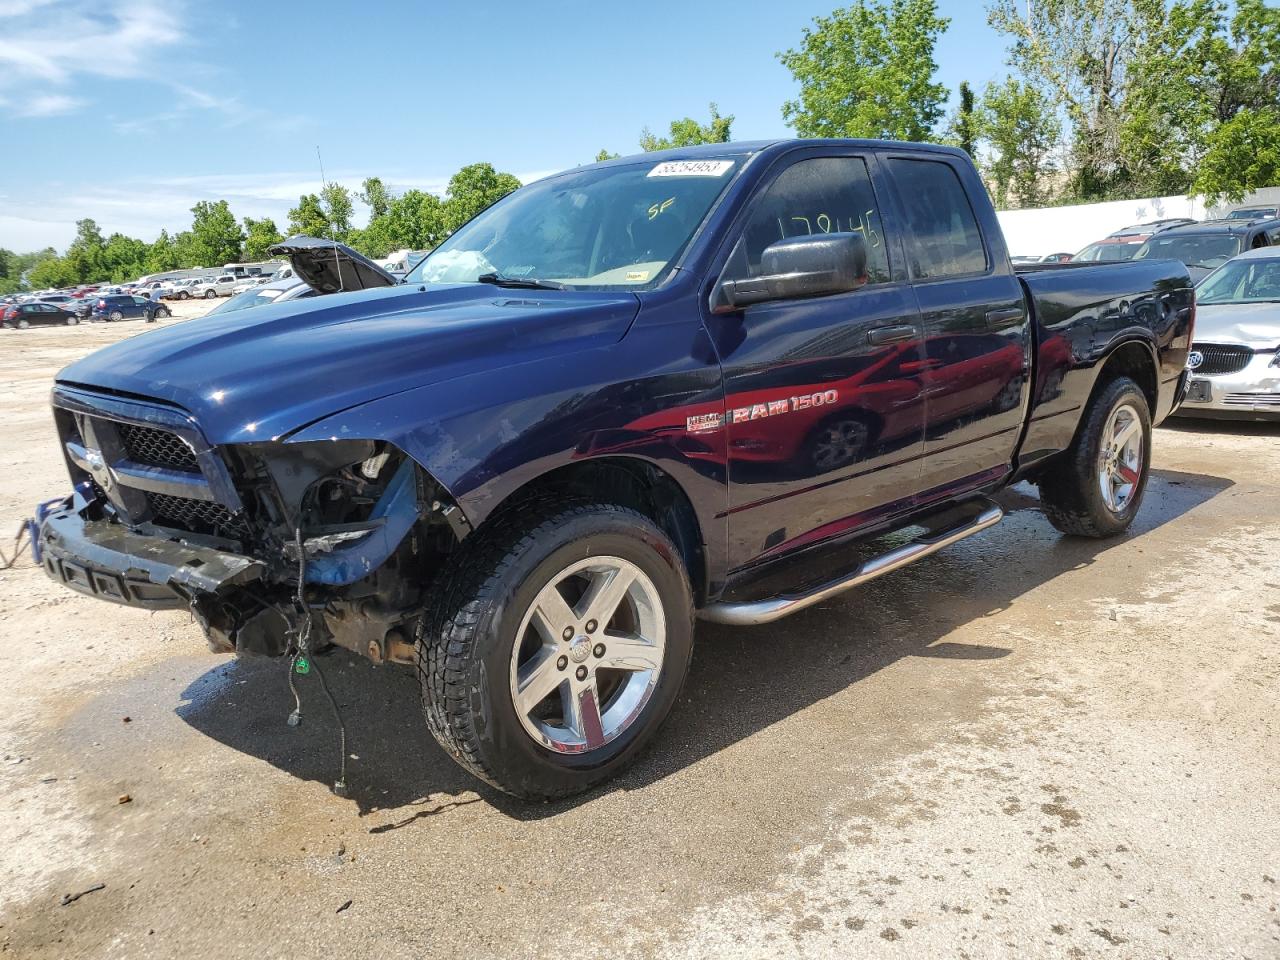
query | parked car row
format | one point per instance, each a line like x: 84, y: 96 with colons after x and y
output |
x: 111, y: 308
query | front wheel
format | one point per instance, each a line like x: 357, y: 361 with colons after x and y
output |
x: 72, y: 320
x: 556, y: 647
x: 184, y: 295
x: 1097, y: 487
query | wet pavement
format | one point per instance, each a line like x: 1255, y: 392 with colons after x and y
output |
x: 1025, y: 746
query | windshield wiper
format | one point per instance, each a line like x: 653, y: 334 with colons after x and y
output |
x: 518, y: 283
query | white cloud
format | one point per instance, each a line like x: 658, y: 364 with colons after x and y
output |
x: 46, y: 46
x: 47, y: 105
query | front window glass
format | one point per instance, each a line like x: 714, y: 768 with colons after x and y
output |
x: 603, y: 228
x: 1242, y: 281
x: 815, y: 196
x: 1195, y: 250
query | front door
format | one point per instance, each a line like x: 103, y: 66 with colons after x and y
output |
x: 824, y: 400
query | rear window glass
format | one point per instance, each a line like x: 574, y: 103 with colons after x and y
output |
x: 942, y: 237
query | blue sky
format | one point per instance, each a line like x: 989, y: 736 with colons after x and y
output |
x: 129, y: 111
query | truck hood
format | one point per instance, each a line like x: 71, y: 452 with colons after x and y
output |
x: 263, y: 373
x: 1254, y: 324
x: 331, y: 267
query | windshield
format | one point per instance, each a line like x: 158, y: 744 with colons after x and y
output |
x: 1195, y: 250
x: 616, y: 227
x: 253, y: 297
x: 1096, y: 252
x: 1253, y: 213
x: 1243, y: 281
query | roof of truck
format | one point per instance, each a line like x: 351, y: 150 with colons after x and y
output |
x: 741, y: 148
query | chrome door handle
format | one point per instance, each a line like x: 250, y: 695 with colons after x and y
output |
x: 996, y: 318
x: 882, y: 335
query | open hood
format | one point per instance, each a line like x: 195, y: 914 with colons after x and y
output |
x: 331, y: 267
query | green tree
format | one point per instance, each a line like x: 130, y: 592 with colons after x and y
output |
x: 606, y: 155
x: 53, y: 272
x: 415, y: 221
x: 1079, y: 54
x: 327, y: 214
x: 1201, y: 108
x: 338, y: 207
x: 123, y: 258
x: 964, y: 129
x: 471, y: 190
x: 216, y: 237
x: 867, y: 70
x: 688, y: 132
x: 1021, y: 129
x: 309, y: 217
x: 258, y: 236
x: 375, y: 196
x: 161, y: 255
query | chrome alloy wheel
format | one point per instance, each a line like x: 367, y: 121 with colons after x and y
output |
x: 588, y: 655
x: 1120, y: 458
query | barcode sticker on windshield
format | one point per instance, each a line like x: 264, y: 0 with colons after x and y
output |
x: 692, y: 168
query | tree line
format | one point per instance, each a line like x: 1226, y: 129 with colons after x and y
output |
x: 1104, y: 100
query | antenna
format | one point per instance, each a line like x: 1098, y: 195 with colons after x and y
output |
x: 337, y: 261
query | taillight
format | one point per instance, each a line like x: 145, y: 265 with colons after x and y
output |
x: 102, y: 304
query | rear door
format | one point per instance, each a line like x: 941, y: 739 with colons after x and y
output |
x: 824, y: 411
x: 976, y: 331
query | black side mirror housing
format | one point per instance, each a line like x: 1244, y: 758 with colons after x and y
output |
x: 797, y: 268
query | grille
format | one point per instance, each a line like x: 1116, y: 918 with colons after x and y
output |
x: 1220, y: 359
x: 157, y: 448
x: 198, y: 516
x: 1249, y: 399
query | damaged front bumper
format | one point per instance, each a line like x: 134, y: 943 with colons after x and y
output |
x: 106, y: 560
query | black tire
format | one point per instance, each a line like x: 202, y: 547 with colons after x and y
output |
x: 184, y: 295
x: 1070, y: 490
x: 161, y: 314
x: 72, y: 320
x: 115, y: 316
x: 467, y: 637
x: 210, y: 294
x: 24, y: 324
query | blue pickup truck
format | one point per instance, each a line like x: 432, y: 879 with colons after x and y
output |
x: 724, y: 382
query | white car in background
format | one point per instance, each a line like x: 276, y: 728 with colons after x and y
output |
x: 1235, y: 358
x: 222, y: 285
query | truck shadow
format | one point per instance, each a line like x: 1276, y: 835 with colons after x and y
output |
x: 741, y: 680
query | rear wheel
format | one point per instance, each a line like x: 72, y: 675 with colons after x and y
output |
x: 556, y: 647
x: 210, y: 294
x: 23, y: 324
x: 1096, y: 489
x: 115, y: 315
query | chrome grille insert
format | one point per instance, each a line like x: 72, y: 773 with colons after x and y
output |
x: 1221, y: 358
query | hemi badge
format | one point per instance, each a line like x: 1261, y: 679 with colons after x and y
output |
x: 704, y: 422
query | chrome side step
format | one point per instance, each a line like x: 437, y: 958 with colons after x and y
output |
x: 753, y: 612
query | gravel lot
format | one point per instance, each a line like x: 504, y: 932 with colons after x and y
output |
x: 1026, y: 746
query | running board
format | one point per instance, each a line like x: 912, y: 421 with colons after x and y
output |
x: 753, y: 612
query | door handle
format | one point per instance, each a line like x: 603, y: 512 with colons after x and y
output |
x: 996, y: 318
x: 882, y: 335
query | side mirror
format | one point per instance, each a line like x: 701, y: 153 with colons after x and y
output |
x: 799, y: 267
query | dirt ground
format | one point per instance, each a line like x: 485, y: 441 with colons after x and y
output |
x: 1026, y: 746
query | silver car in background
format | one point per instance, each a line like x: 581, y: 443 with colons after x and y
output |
x: 1235, y: 357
